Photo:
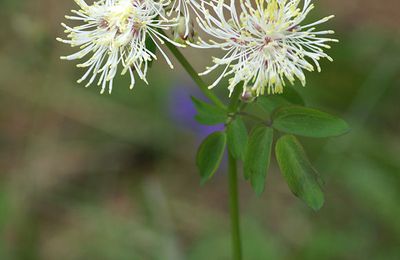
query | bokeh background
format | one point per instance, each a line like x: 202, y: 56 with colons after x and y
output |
x: 90, y: 176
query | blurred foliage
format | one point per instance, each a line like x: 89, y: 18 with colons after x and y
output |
x: 90, y: 176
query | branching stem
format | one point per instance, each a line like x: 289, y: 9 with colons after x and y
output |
x: 193, y: 74
x: 232, y: 164
x: 233, y: 185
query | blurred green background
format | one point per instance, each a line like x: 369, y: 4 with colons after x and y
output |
x: 90, y: 176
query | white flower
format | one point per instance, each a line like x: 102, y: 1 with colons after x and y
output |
x: 265, y: 44
x: 115, y: 33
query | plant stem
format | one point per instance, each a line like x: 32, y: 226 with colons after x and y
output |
x: 234, y: 208
x: 235, y: 101
x: 192, y: 72
x: 233, y: 186
x: 232, y: 165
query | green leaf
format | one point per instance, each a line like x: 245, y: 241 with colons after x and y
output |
x: 257, y: 157
x: 298, y: 172
x: 208, y: 114
x: 288, y: 97
x: 308, y: 122
x: 237, y: 138
x: 209, y: 155
x: 291, y: 95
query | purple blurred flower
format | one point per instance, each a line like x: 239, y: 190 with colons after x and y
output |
x: 183, y: 111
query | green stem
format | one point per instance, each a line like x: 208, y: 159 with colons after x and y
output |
x: 235, y: 99
x: 191, y: 71
x: 232, y: 165
x: 233, y: 186
x: 234, y: 208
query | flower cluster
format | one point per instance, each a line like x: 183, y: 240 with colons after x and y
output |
x: 117, y: 33
x: 265, y: 42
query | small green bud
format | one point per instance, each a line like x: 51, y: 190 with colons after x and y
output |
x: 183, y: 31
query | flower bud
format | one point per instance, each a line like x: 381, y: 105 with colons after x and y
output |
x: 183, y: 31
x: 248, y: 96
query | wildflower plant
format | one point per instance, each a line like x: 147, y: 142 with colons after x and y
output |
x: 265, y: 46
